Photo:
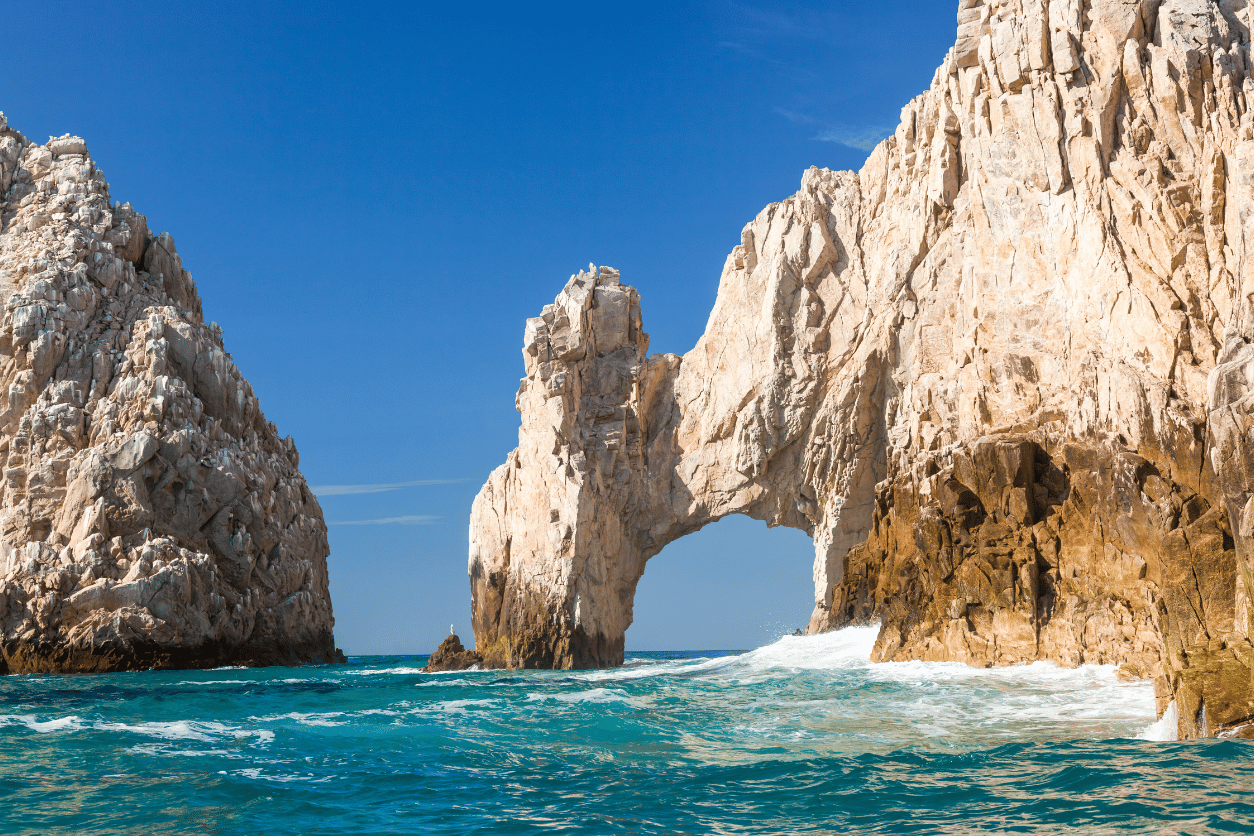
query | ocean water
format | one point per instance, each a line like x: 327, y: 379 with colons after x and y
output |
x: 802, y: 736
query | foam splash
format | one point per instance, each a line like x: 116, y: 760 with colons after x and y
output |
x: 326, y: 719
x: 177, y: 730
x: 938, y: 700
x: 458, y: 706
x: 594, y: 695
x: 56, y: 724
x: 1166, y: 729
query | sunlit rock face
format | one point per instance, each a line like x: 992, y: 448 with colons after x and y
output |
x: 1003, y: 375
x: 150, y: 516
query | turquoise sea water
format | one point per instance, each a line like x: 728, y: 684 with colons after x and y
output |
x: 803, y: 736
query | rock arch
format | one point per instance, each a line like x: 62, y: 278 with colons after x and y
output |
x: 1002, y: 375
x: 622, y: 453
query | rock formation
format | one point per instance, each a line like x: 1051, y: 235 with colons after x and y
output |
x: 1003, y: 375
x: 452, y: 656
x: 150, y: 516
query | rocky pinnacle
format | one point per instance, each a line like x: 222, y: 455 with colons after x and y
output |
x: 150, y: 516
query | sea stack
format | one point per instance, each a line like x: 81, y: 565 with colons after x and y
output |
x: 150, y: 516
x: 452, y: 656
x: 1003, y: 376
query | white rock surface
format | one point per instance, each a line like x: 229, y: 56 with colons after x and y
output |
x: 993, y: 353
x: 149, y: 514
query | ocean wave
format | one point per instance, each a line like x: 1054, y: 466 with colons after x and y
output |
x: 162, y: 749
x: 594, y: 695
x: 326, y: 718
x: 56, y: 724
x: 1166, y: 728
x: 258, y: 681
x: 194, y: 730
x: 455, y: 706
x: 840, y: 649
x: 199, y: 731
x: 260, y: 775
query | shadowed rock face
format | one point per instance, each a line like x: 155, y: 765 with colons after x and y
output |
x: 1003, y: 376
x: 150, y: 516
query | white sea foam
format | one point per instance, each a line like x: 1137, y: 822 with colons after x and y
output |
x: 325, y: 718
x: 258, y: 775
x: 168, y: 749
x: 201, y: 732
x: 456, y: 706
x: 595, y: 695
x: 56, y: 724
x: 938, y: 700
x: 1166, y: 728
x: 304, y: 681
x: 841, y: 649
x: 386, y: 672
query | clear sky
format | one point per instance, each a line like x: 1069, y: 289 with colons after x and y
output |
x: 373, y: 197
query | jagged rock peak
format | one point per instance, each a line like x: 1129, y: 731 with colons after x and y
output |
x: 150, y: 516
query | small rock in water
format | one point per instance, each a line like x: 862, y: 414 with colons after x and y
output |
x: 451, y: 656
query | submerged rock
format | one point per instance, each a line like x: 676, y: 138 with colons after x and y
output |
x: 150, y: 516
x: 1003, y: 376
x: 452, y: 656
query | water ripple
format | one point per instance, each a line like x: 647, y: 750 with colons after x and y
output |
x: 802, y: 737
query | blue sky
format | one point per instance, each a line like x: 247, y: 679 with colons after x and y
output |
x: 373, y: 197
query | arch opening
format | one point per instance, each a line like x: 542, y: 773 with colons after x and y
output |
x: 736, y: 584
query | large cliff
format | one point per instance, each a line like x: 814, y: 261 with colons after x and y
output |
x: 150, y: 516
x: 1003, y: 376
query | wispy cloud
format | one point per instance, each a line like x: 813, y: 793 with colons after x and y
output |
x: 864, y: 139
x: 795, y: 117
x: 345, y: 490
x: 763, y: 25
x: 421, y: 519
x: 738, y: 47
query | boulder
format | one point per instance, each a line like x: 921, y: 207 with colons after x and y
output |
x: 451, y: 656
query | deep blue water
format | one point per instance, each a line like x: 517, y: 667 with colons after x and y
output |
x: 803, y: 736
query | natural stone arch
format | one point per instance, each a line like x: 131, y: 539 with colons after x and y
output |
x: 1004, y: 375
x: 620, y: 453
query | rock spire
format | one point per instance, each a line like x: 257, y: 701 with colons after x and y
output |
x: 150, y: 516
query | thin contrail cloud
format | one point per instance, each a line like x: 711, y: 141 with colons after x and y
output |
x: 420, y: 519
x: 346, y: 490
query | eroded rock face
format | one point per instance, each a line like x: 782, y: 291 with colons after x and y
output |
x: 150, y: 516
x: 1003, y: 375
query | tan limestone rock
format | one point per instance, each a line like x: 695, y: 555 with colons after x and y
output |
x: 150, y: 516
x: 1002, y: 375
